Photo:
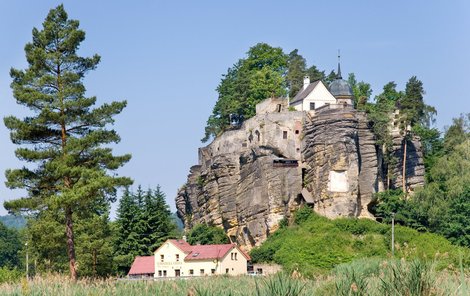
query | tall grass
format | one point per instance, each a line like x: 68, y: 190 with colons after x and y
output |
x: 362, y: 277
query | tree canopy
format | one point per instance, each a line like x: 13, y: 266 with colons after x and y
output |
x: 206, y: 235
x: 144, y: 222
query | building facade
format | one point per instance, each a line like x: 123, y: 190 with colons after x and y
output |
x: 177, y: 258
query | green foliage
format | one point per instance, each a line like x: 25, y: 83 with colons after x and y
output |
x: 296, y: 70
x: 205, y: 235
x: 10, y: 245
x: 143, y: 223
x: 92, y: 230
x: 258, y: 76
x: 10, y: 275
x: 362, y: 92
x: 318, y: 244
x: 442, y: 206
x: 302, y: 214
x: 65, y: 136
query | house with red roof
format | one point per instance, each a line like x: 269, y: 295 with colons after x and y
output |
x: 177, y: 258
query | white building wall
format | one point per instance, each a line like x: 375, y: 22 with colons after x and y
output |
x: 170, y: 262
x: 236, y: 264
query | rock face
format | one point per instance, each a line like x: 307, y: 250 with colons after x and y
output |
x: 250, y: 178
x: 342, y: 165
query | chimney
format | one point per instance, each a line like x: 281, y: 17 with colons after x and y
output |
x: 306, y: 81
x: 184, y: 237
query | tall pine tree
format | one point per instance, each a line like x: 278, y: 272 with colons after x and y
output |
x: 65, y: 136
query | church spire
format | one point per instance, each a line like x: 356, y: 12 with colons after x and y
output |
x: 338, y: 75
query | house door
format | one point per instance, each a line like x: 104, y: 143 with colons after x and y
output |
x: 177, y: 272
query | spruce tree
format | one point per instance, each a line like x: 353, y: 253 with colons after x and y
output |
x: 65, y: 136
x: 127, y: 235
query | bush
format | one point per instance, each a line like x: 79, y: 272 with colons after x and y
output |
x: 10, y: 275
x: 205, y: 235
x: 315, y: 244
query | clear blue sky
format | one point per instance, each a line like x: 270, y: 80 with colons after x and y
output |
x: 166, y: 58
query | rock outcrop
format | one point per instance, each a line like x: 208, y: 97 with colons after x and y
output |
x: 250, y: 178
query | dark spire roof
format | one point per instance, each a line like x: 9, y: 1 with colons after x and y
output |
x: 340, y: 87
x: 338, y: 76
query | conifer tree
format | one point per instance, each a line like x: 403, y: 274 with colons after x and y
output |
x: 127, y: 233
x: 296, y: 70
x: 65, y: 136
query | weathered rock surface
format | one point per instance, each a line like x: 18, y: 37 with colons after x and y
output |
x: 246, y: 182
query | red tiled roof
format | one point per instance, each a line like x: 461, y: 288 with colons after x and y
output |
x: 143, y: 265
x: 182, y: 245
x: 201, y: 252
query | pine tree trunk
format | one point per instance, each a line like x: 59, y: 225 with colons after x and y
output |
x: 70, y: 243
x: 404, y: 167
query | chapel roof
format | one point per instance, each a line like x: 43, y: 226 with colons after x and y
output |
x: 302, y: 94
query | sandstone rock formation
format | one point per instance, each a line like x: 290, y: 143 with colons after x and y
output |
x: 249, y: 179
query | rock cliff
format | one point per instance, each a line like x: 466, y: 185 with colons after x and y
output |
x: 250, y: 178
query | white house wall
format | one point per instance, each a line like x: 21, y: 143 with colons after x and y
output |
x: 320, y: 96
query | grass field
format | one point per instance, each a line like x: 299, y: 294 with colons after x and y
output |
x: 363, y: 277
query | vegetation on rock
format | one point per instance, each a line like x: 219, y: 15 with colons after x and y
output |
x: 314, y: 244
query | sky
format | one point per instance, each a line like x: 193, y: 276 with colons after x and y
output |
x: 166, y: 59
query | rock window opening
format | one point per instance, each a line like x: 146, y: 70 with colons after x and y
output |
x: 297, y: 132
x: 258, y: 135
x: 278, y: 108
x: 284, y: 134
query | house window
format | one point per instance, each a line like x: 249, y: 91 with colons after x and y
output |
x: 177, y: 257
x: 159, y: 273
x: 284, y: 134
x: 226, y: 270
x: 164, y: 273
x: 212, y: 271
x: 312, y: 106
x: 279, y: 108
x: 162, y: 258
x: 201, y: 271
x: 235, y: 255
x: 231, y: 256
x: 191, y: 272
x: 259, y: 271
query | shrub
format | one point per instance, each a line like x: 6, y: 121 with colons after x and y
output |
x: 10, y: 275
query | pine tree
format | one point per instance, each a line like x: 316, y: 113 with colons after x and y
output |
x: 65, y: 135
x: 296, y: 70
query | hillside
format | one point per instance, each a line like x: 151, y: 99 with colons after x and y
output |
x: 12, y: 221
x: 315, y: 244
